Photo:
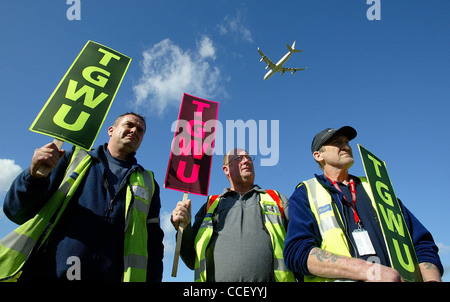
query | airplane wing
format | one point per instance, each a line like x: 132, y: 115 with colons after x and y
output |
x: 266, y: 59
x: 293, y: 70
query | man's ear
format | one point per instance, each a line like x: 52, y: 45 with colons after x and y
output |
x: 226, y: 170
x: 318, y: 156
x: 110, y: 130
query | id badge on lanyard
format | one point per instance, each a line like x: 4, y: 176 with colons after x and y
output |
x: 363, y: 242
x: 360, y: 235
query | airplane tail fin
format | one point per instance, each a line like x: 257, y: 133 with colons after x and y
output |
x: 292, y: 49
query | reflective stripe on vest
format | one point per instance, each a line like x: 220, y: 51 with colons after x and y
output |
x: 323, y: 208
x: 273, y: 221
x: 202, y: 239
x: 138, y: 198
x: 16, y: 247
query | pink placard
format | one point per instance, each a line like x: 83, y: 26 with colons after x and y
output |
x: 192, y: 148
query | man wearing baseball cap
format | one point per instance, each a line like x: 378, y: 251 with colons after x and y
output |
x: 334, y: 233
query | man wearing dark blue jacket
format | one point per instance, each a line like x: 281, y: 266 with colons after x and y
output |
x: 92, y: 226
x: 342, y: 238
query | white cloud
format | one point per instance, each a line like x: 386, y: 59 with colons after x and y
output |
x: 236, y: 26
x: 9, y: 171
x: 168, y: 71
x: 443, y: 249
x: 206, y: 48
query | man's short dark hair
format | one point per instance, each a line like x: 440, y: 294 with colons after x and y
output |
x: 116, y: 122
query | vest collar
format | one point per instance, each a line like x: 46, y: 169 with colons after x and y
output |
x: 324, y: 181
x: 228, y: 191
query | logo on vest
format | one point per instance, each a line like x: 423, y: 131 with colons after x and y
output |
x: 140, y: 192
x: 324, y: 209
x: 271, y: 209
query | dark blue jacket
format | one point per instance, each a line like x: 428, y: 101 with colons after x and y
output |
x: 303, y: 233
x: 91, y: 227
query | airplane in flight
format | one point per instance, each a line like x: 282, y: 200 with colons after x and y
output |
x: 279, y: 66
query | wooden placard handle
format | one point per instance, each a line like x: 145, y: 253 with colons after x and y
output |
x: 44, y: 170
x: 178, y: 246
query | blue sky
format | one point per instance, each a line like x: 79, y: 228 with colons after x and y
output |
x: 387, y: 78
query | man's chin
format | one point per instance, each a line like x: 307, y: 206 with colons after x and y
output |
x: 247, y: 175
x: 131, y: 146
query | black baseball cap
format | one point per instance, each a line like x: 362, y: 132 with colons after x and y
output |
x: 322, y: 137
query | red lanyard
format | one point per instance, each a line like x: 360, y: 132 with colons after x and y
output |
x: 353, y: 191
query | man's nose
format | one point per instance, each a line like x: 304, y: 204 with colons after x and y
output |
x: 245, y: 159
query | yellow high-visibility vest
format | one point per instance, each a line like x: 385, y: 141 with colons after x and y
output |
x: 138, y: 199
x: 274, y: 222
x: 333, y: 238
x: 16, y: 247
